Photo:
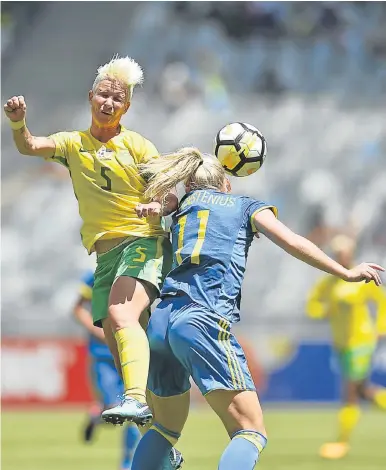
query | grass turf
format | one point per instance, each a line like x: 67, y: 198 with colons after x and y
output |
x: 51, y: 440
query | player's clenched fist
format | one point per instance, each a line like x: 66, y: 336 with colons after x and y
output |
x: 15, y: 108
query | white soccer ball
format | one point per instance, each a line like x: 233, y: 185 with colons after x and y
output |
x: 241, y: 148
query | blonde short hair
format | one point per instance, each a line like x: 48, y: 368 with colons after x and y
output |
x: 123, y: 69
x: 341, y: 243
x: 188, y: 165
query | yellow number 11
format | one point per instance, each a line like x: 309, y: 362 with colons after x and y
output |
x: 195, y: 256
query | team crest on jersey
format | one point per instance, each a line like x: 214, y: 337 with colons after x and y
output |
x: 104, y: 153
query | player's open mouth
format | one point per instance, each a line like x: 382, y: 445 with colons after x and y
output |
x: 107, y: 114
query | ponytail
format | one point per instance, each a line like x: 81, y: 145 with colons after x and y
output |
x: 164, y: 173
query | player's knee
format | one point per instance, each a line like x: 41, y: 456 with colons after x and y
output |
x: 121, y: 317
x: 238, y: 410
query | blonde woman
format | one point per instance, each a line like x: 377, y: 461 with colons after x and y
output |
x: 133, y: 254
x: 190, y: 331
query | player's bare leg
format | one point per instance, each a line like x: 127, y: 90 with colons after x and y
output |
x: 241, y: 414
x: 347, y: 420
x: 130, y: 297
x: 156, y: 449
x: 110, y: 338
x: 350, y: 413
x: 112, y: 344
x: 373, y: 393
x: 94, y: 419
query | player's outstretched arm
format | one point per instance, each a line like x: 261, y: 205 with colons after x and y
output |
x: 306, y: 251
x: 27, y: 144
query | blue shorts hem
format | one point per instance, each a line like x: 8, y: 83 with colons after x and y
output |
x: 167, y: 393
x: 229, y: 389
x: 168, y: 396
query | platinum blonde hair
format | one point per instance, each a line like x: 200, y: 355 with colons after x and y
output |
x: 188, y: 165
x: 123, y: 69
x: 341, y: 243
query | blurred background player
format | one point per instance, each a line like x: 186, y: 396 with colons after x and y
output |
x: 354, y: 335
x: 133, y: 255
x: 105, y: 380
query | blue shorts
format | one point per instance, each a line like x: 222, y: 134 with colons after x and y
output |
x: 187, y: 340
x: 106, y: 381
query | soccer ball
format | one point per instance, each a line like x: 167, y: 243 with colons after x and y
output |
x: 241, y: 148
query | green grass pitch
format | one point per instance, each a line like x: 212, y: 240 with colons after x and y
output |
x: 51, y: 441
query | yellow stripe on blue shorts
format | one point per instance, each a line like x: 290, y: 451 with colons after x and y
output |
x: 237, y: 375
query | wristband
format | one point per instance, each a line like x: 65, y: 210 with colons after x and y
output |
x: 16, y: 125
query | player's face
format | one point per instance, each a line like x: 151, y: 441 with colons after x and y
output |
x: 109, y: 102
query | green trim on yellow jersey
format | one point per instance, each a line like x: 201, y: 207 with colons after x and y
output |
x: 107, y: 183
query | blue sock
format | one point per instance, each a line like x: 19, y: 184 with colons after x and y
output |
x: 152, y: 452
x: 243, y: 451
x: 131, y: 437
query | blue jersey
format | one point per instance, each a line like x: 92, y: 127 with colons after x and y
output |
x: 87, y: 283
x: 97, y: 348
x: 211, y: 235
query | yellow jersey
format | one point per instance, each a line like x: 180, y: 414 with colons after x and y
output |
x: 346, y: 306
x: 107, y: 183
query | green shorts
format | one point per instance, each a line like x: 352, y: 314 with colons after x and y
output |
x: 355, y: 362
x: 148, y: 259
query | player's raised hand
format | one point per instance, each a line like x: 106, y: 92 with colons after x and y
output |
x: 365, y: 272
x: 147, y: 210
x: 15, y: 108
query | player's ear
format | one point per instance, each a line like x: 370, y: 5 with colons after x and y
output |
x: 127, y: 106
x: 188, y: 186
x: 227, y: 186
x: 90, y: 96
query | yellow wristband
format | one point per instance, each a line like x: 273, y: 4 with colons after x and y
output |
x: 16, y: 125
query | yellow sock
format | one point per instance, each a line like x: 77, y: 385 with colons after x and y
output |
x: 380, y: 398
x: 348, y: 418
x: 134, y: 354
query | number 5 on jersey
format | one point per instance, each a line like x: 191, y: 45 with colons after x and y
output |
x: 195, y: 256
x: 107, y: 186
